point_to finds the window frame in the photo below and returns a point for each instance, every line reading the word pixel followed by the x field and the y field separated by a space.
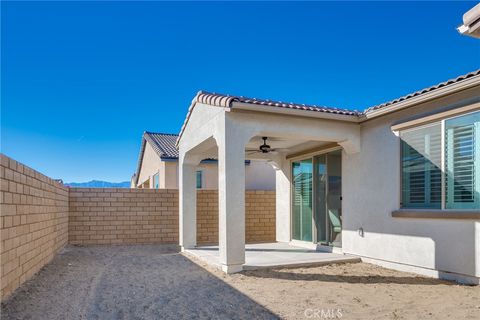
pixel 157 175
pixel 443 204
pixel 201 179
pixel 419 127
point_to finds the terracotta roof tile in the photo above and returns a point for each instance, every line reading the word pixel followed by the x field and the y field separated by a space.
pixel 223 100
pixel 423 91
pixel 226 101
pixel 163 143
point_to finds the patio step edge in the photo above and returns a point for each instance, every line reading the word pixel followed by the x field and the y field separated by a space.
pixel 298 264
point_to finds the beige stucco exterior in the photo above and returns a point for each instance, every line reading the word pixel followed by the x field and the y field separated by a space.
pixel 446 247
pixel 151 165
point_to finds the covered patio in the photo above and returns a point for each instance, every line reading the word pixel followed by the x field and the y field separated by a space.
pixel 235 129
pixel 273 255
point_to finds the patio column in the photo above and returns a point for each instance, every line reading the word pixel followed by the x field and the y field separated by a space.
pixel 282 201
pixel 231 192
pixel 187 203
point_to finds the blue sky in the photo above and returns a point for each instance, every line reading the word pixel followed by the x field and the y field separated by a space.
pixel 80 82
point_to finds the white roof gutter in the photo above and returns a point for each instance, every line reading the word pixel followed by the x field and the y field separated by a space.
pixel 293 112
pixel 471 23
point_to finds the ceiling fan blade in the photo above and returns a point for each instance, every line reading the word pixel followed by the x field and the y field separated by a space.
pixel 251 151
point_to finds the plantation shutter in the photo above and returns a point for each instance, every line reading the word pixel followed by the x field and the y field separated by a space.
pixel 462 153
pixel 421 163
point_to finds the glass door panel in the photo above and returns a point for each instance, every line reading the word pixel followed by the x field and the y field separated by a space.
pixel 302 174
pixel 334 198
pixel 320 182
pixel 317 199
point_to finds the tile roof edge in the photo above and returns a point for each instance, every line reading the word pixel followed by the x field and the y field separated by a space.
pixel 225 100
pixel 449 82
pixel 140 159
pixel 160 133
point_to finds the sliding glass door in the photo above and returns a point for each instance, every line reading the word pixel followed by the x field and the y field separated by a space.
pixel 320 216
pixel 334 198
pixel 316 199
pixel 302 172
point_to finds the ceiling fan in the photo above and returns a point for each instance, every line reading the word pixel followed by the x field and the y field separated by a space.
pixel 263 148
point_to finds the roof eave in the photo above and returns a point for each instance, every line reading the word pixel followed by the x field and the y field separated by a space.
pixel 187 118
pixel 295 112
pixel 140 159
pixel 435 94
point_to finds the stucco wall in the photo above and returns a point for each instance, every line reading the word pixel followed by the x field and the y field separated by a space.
pixel 34 222
pixel 371 191
pixel 209 175
pixel 259 175
pixel 169 175
pixel 150 165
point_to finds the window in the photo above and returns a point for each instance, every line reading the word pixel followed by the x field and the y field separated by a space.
pixel 462 162
pixel 156 181
pixel 199 179
pixel 421 163
pixel 441 164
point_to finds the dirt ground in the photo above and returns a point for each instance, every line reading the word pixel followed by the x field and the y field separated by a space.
pixel 155 282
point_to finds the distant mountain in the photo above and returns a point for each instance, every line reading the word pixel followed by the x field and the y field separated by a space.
pixel 99 184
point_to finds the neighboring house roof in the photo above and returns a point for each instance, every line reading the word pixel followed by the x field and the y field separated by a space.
pixel 162 143
pixel 227 101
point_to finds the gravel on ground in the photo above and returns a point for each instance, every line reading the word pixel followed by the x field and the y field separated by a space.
pixel 157 282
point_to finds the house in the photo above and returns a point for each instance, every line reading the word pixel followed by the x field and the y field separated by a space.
pixel 471 22
pixel 397 184
pixel 158 167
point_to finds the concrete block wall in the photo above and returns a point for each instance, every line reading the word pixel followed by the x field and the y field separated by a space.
pixel 207 217
pixel 128 216
pixel 39 215
pixel 34 222
pixel 259 216
pixel 123 216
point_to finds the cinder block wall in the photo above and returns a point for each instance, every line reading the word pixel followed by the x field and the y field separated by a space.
pixel 207 217
pixel 123 216
pixel 259 216
pixel 34 222
pixel 39 215
pixel 128 216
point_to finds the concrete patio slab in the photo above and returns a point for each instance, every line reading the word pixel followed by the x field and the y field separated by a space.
pixel 273 255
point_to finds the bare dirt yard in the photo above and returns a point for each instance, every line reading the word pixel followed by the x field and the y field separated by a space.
pixel 155 282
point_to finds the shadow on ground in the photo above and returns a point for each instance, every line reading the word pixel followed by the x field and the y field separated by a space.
pixel 126 282
pixel 286 274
